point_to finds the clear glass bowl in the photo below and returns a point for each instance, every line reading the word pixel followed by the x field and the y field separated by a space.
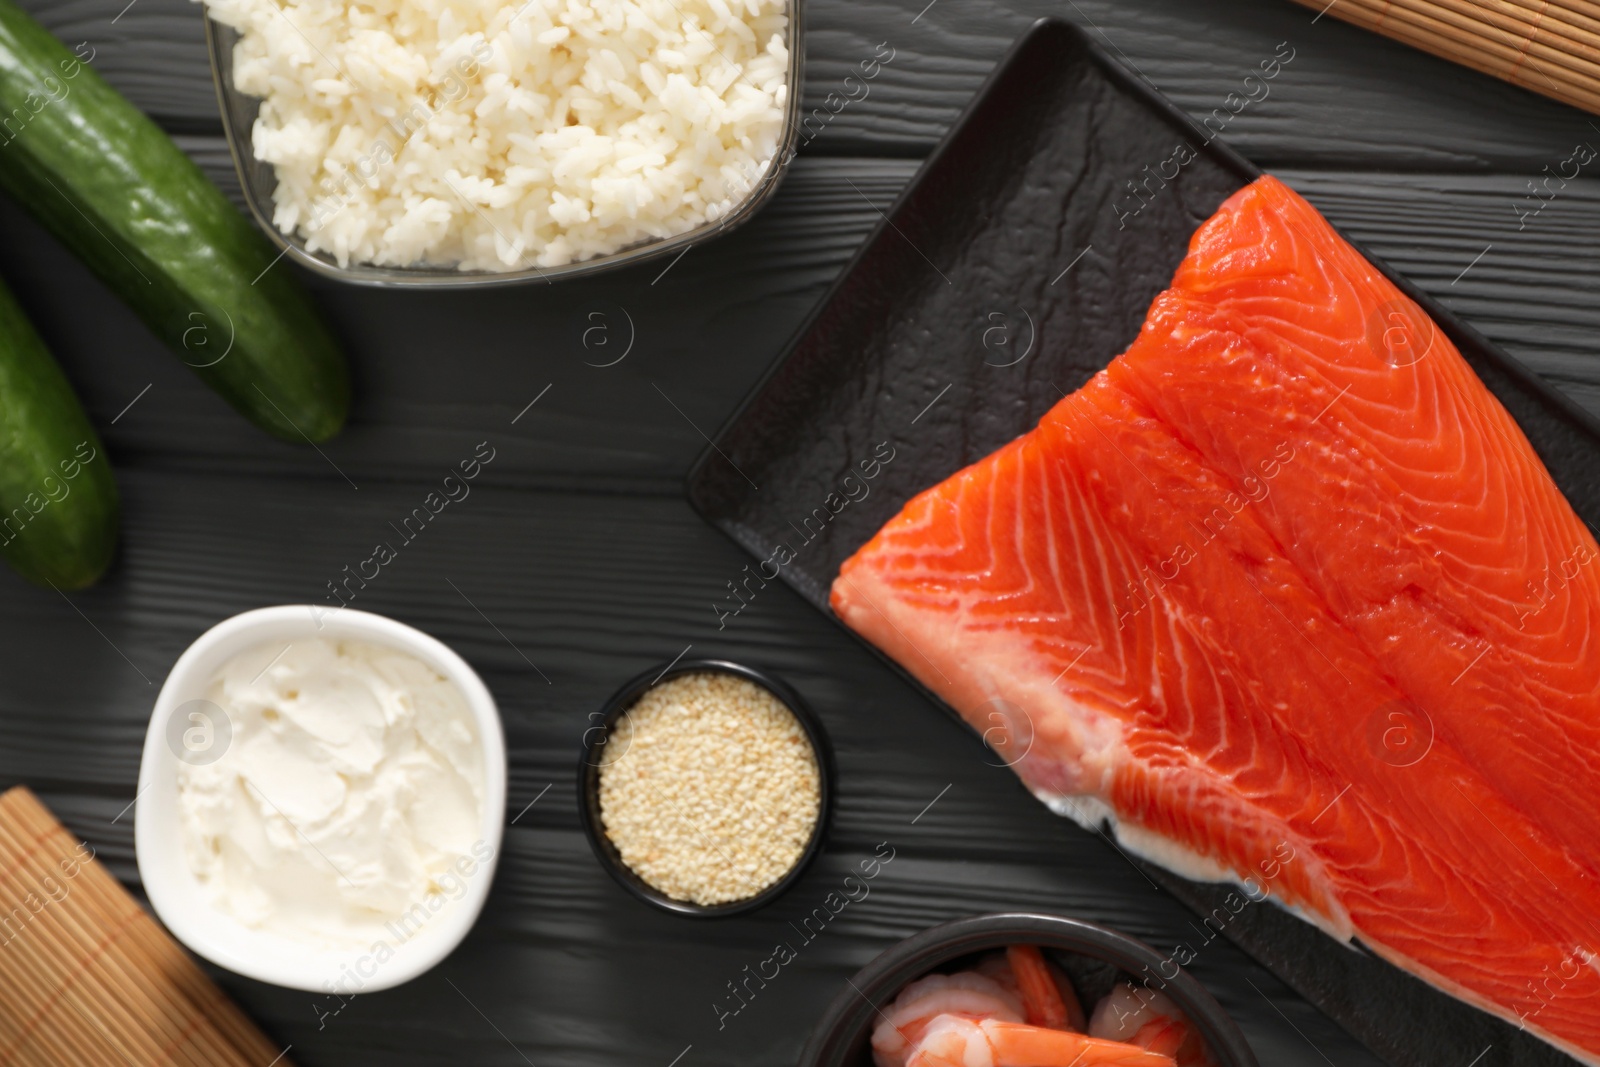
pixel 258 181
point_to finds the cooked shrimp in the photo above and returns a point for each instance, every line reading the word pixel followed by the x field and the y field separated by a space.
pixel 954 1041
pixel 967 995
pixel 995 965
pixel 1150 1020
pixel 1048 998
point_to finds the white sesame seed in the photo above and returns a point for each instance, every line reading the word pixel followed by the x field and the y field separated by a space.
pixel 717 792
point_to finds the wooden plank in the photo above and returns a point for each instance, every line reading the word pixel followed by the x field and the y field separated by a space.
pixel 444 369
pixel 576 543
pixel 420 391
pixel 154 51
pixel 592 588
pixel 1333 103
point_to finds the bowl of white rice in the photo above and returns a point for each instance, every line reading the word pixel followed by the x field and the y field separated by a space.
pixel 442 143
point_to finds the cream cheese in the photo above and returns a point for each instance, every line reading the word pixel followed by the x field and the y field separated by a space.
pixel 351 787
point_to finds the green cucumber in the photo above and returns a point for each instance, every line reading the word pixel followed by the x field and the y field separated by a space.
pixel 58 501
pixel 113 188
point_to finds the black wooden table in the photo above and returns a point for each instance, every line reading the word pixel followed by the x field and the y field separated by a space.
pixel 576 562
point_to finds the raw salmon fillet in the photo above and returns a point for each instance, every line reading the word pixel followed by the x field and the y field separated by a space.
pixel 1286 596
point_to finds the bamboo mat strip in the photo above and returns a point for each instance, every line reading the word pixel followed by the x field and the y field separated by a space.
pixel 1549 46
pixel 1521 61
pixel 1564 44
pixel 90 977
pixel 1577 20
pixel 1472 24
pixel 1575 25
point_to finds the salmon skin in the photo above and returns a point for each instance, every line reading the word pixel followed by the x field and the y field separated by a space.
pixel 1285 597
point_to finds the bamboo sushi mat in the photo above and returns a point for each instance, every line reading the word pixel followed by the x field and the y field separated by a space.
pixel 1549 46
pixel 87 977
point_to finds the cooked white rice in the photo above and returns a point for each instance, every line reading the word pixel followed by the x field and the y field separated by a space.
pixel 501 134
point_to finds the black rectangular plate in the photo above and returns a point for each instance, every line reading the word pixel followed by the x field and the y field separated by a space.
pixel 1018 263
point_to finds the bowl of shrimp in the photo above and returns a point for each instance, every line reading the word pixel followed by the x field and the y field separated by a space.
pixel 1021 990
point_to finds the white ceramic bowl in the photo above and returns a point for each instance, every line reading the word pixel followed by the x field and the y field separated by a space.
pixel 177 895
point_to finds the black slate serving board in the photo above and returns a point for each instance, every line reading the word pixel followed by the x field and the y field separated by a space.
pixel 1018 262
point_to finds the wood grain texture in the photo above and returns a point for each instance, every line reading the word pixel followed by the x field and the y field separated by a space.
pixel 1547 50
pixel 1531 293
pixel 1335 104
pixel 577 544
pixel 592 588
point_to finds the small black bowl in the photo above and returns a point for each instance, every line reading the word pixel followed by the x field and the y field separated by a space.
pixel 1087 952
pixel 596 755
